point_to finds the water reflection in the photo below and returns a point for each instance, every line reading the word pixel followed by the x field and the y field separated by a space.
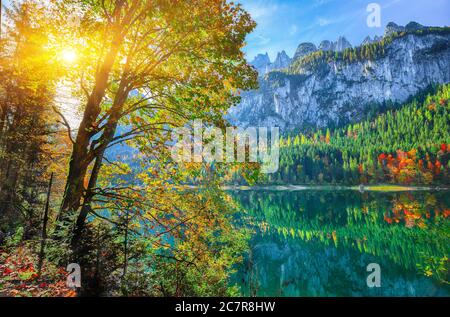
pixel 319 243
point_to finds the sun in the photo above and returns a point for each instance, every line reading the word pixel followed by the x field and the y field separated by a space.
pixel 69 55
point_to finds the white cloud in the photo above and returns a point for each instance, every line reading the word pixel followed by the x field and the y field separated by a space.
pixel 262 40
pixel 293 29
pixel 323 21
pixel 261 10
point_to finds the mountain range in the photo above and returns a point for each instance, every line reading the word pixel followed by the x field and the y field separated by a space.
pixel 334 84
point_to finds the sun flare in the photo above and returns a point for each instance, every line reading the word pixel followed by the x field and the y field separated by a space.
pixel 69 55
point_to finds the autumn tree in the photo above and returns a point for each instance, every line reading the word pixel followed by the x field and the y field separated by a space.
pixel 148 66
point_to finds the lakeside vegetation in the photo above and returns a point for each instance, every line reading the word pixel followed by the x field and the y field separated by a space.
pixel 408 146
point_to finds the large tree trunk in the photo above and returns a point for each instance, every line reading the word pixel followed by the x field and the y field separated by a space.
pixel 75 179
pixel 81 156
pixel 105 140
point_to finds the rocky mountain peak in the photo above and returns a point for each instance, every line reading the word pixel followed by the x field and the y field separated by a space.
pixel 282 61
pixel 326 46
pixel 367 40
pixel 413 26
pixel 261 60
pixel 342 44
pixel 391 27
pixel 261 63
pixel 305 49
pixel 321 98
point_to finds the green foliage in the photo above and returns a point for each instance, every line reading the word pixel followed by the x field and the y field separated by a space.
pixel 15 239
pixel 436 267
pixel 408 145
pixel 410 229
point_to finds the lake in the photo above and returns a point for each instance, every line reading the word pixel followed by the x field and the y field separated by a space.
pixel 320 242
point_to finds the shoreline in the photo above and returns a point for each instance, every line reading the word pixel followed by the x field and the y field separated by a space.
pixel 371 188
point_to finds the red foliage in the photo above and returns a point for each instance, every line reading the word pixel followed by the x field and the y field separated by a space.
pixel 404 167
pixel 438 167
pixel 19 276
pixel 6 271
pixel 360 169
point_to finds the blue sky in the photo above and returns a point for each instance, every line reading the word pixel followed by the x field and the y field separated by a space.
pixel 283 24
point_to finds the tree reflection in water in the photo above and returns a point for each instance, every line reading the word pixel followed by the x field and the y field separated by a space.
pixel 318 243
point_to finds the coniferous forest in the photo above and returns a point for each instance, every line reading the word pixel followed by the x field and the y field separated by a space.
pixel 408 145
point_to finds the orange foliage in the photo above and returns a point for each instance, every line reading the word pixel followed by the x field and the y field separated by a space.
pixel 409 211
pixel 405 167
